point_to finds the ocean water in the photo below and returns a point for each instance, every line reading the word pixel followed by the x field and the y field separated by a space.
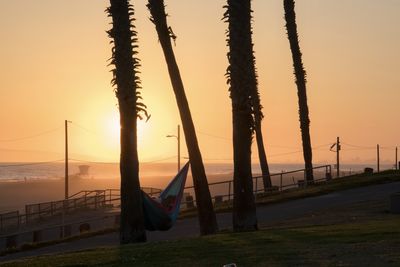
pixel 155 175
pixel 22 171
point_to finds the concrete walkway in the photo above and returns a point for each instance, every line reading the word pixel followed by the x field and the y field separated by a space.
pixel 271 214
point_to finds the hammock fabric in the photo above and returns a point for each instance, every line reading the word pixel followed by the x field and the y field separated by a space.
pixel 161 213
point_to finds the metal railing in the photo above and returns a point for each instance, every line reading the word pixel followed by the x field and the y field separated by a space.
pixel 82 200
pixel 58 231
pixel 9 220
pixel 221 191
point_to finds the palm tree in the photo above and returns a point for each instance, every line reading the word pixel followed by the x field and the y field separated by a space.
pixel 241 74
pixel 207 218
pixel 127 83
pixel 300 73
pixel 258 116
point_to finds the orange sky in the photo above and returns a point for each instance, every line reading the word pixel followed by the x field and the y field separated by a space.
pixel 53 67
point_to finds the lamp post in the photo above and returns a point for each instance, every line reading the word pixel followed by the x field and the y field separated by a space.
pixel 178 138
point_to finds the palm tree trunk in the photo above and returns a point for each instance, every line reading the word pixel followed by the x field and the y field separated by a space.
pixel 244 208
pixel 132 227
pixel 207 218
pixel 241 77
pixel 300 74
pixel 127 83
pixel 262 156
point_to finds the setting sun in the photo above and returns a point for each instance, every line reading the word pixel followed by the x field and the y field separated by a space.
pixel 119 121
pixel 112 129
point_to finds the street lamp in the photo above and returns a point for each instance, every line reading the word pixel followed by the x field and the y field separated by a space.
pixel 178 138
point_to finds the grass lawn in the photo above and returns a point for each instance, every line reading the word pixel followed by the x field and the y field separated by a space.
pixel 359 235
pixel 338 184
pixel 344 183
pixel 371 243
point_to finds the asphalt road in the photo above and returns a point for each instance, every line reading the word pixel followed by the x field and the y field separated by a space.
pixel 270 214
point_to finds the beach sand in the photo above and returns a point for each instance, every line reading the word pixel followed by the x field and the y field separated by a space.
pixel 15 195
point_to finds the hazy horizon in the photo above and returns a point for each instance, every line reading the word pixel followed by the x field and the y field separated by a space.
pixel 54 67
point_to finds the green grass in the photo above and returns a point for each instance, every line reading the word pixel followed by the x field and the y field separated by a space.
pixel 334 185
pixel 373 243
pixel 347 182
pixel 262 199
pixel 30 246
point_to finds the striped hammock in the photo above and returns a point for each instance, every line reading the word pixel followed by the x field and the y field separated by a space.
pixel 161 213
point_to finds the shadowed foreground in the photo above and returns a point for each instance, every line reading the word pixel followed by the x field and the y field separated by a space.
pixel 372 243
pixel 347 228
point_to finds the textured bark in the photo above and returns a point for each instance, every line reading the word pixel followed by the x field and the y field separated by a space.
pixel 262 156
pixel 207 218
pixel 241 74
pixel 125 79
pixel 258 116
pixel 244 208
pixel 300 74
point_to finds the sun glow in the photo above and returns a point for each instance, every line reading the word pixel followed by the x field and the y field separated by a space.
pixel 113 129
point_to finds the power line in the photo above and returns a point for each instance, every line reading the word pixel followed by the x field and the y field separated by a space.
pixel 359 149
pixel 84 128
pixel 276 146
pixel 158 160
pixel 388 147
pixel 30 164
pixel 215 136
pixel 29 151
pixel 275 155
pixel 93 162
pixel 104 162
pixel 358 146
pixel 284 154
pixel 320 146
pixel 30 136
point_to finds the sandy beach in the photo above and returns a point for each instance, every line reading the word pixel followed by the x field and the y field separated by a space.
pixel 16 194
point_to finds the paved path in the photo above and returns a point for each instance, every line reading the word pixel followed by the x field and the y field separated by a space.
pixel 270 214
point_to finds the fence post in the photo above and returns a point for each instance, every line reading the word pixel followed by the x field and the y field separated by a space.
pixel 11 241
pixel 305 178
pixel 26 214
pixel 117 220
pixel 40 212
pixel 229 191
pixel 255 196
pixel 37 236
pixel 67 230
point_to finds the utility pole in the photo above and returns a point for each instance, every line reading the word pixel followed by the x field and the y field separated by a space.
pixel 377 157
pixel 337 157
pixel 66 159
pixel 396 164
